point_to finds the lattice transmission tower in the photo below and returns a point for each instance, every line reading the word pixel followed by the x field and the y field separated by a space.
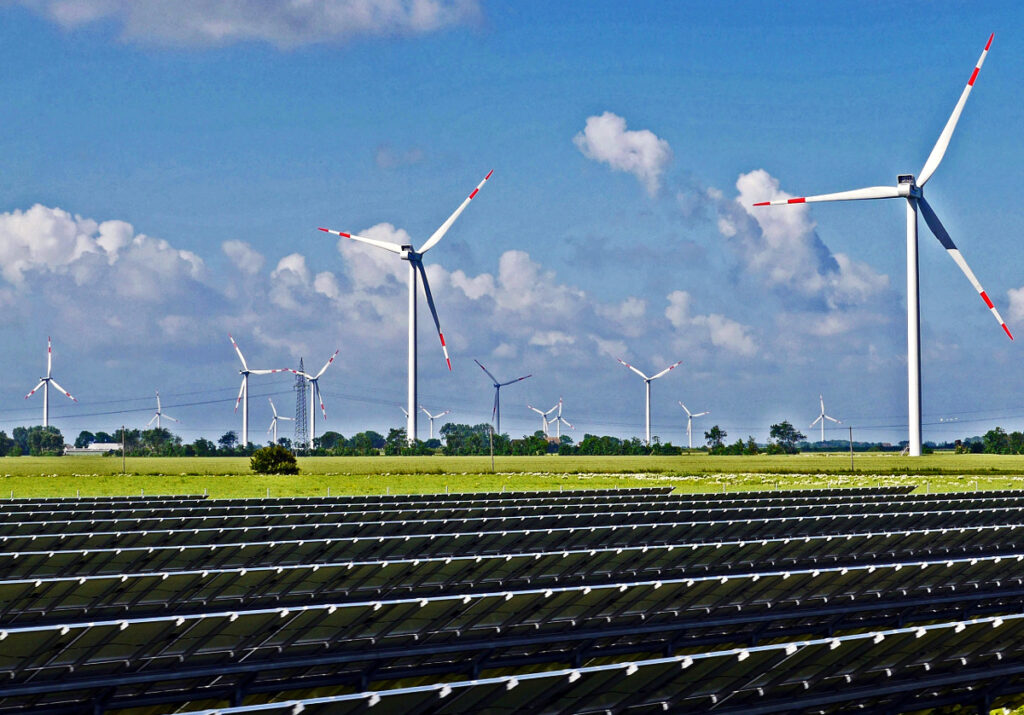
pixel 301 418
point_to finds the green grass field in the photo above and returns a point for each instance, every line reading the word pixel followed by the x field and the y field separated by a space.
pixel 230 476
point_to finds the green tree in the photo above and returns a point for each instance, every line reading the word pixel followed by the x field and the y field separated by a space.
pixel 715 437
pixel 45 440
pixel 84 439
pixel 228 441
pixel 6 444
pixel 996 441
pixel 786 436
pixel 204 448
pixel 274 459
pixel 396 441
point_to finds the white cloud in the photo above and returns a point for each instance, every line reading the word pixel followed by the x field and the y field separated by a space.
pixel 637 152
pixel 245 257
pixel 284 23
pixel 722 332
pixel 1016 298
pixel 388 158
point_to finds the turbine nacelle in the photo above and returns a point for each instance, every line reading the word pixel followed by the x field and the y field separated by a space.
pixel 906 186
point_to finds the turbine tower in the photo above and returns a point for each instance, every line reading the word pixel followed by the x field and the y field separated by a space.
pixel 912 191
pixel 543 416
pixel 159 413
pixel 496 412
pixel 689 422
pixel 315 396
pixel 44 382
pixel 822 417
pixel 647 385
pixel 432 418
pixel 273 422
pixel 415 258
pixel 559 421
pixel 243 391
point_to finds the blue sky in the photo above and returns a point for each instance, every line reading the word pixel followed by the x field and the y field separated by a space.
pixel 179 166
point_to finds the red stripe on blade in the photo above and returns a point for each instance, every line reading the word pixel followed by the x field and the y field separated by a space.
pixel 989 41
pixel 492 170
pixel 984 297
pixel 474 193
pixel 1007 331
pixel 442 338
pixel 797 201
pixel 763 203
pixel 974 76
pixel 449 364
pixel 325 230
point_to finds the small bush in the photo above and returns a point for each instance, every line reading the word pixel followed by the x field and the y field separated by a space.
pixel 273 460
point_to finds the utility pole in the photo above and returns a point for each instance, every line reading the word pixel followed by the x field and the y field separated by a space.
pixel 490 439
pixel 123 471
pixel 851 448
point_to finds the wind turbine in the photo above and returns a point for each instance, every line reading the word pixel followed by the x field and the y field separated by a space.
pixel 159 413
pixel 314 395
pixel 243 391
pixel 543 416
pixel 273 422
pixel 647 385
pixel 913 192
pixel 496 412
pixel 559 421
pixel 822 417
pixel 432 418
pixel 415 258
pixel 689 422
pixel 44 382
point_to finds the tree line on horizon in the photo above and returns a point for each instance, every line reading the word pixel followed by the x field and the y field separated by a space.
pixel 471 440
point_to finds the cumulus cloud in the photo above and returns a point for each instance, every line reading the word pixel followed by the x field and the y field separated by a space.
pixel 284 23
pixel 247 259
pixel 722 332
pixel 1016 298
pixel 388 158
pixel 637 152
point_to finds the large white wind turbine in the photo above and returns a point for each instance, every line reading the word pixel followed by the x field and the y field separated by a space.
pixel 273 422
pixel 44 382
pixel 496 412
pixel 432 418
pixel 243 391
pixel 822 417
pixel 913 192
pixel 314 395
pixel 543 416
pixel 689 422
pixel 159 414
pixel 559 421
pixel 415 258
pixel 647 386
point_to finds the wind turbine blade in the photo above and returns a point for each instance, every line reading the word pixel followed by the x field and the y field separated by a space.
pixel 66 393
pixel 443 229
pixel 493 378
pixel 289 419
pixel 386 245
pixel 298 372
pixel 433 311
pixel 320 399
pixel 821 400
pixel 539 412
pixel 49 356
pixel 673 366
pixel 240 391
pixel 832 419
pixel 152 420
pixel 939 150
pixel 424 409
pixel 633 369
pixel 404 411
pixel 237 350
pixel 940 233
pixel 34 389
pixel 168 417
pixel 701 414
pixel 871 192
pixel 272 408
pixel 567 422
pixel 271 427
pixel 328 363
pixel 442 414
pixel 158 400
pixel 269 372
pixel 685 409
pixel 518 379
pixel 494 410
pixel 816 421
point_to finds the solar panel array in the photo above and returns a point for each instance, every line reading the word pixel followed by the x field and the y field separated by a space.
pixel 574 601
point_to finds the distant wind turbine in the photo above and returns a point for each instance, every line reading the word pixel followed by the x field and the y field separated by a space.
pixel 273 422
pixel 159 414
pixel 822 417
pixel 432 418
pixel 647 385
pixel 243 391
pixel 559 421
pixel 913 192
pixel 415 258
pixel 44 382
pixel 496 412
pixel 543 416
pixel 315 396
pixel 689 422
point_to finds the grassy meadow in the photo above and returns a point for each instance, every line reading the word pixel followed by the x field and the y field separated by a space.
pixel 231 477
